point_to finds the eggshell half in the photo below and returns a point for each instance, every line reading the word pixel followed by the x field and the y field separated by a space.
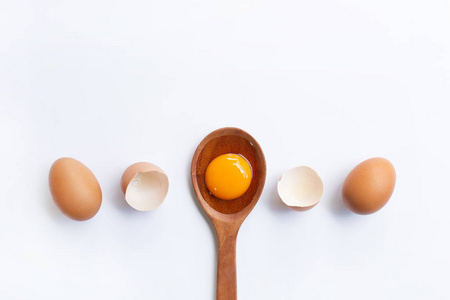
pixel 300 188
pixel 145 186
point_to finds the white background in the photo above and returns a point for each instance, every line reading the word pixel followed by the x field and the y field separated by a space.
pixel 321 83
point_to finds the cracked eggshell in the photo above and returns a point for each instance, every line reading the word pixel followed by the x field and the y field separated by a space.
pixel 300 188
pixel 145 186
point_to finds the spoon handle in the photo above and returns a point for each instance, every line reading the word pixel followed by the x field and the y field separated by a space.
pixel 226 265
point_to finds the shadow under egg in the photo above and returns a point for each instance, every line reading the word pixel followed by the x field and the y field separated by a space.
pixel 337 205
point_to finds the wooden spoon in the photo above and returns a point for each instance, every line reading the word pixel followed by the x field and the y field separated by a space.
pixel 227 216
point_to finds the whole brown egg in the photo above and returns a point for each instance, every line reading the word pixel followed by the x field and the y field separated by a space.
pixel 369 186
pixel 74 189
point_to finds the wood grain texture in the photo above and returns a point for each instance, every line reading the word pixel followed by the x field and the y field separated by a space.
pixel 227 216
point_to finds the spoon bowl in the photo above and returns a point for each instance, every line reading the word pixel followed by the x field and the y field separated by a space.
pixel 227 216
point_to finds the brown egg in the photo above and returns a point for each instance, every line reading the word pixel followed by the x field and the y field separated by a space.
pixel 74 189
pixel 369 186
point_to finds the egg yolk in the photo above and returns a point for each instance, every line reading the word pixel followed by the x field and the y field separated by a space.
pixel 228 176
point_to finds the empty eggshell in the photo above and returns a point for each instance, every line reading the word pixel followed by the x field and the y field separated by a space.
pixel 145 186
pixel 300 188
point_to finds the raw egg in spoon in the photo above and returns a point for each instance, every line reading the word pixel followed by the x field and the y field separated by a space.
pixel 228 176
pixel 216 152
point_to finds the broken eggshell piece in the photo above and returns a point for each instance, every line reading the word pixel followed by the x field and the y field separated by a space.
pixel 145 186
pixel 300 188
